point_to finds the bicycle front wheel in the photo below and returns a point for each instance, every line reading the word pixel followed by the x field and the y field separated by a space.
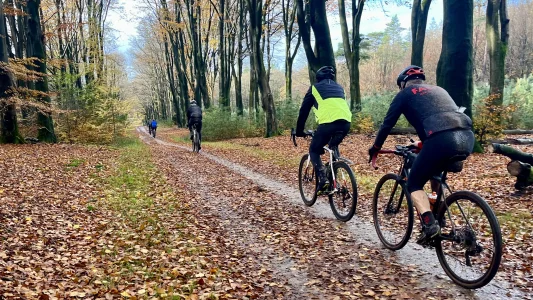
pixel 307 180
pixel 343 201
pixel 470 247
pixel 392 211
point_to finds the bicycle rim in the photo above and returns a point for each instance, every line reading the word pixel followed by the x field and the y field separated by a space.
pixel 307 181
pixel 344 201
pixel 473 258
pixel 392 211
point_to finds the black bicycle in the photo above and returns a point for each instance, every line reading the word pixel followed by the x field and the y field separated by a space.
pixel 195 139
pixel 342 192
pixel 469 247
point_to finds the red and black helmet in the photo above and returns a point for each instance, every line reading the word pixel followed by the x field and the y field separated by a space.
pixel 410 73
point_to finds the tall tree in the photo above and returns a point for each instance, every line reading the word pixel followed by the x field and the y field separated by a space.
pixel 454 71
pixel 419 19
pixel 8 113
pixel 255 8
pixel 312 15
pixel 289 15
pixel 36 42
pixel 352 50
pixel 497 40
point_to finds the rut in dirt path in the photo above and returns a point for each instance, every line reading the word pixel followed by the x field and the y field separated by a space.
pixel 356 238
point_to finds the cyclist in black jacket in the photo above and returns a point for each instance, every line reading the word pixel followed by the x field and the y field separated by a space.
pixel 327 99
pixel 443 128
pixel 194 116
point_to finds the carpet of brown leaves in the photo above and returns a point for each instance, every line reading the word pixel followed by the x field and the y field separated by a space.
pixel 485 174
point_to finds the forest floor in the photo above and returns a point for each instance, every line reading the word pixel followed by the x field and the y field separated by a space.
pixel 147 218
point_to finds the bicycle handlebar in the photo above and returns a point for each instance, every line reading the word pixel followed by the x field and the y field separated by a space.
pixel 400 150
pixel 293 135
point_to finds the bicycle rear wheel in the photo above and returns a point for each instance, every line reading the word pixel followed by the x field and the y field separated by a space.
pixel 392 211
pixel 196 141
pixel 344 201
pixel 470 247
pixel 307 180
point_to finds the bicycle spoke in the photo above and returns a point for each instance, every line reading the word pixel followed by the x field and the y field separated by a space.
pixel 475 248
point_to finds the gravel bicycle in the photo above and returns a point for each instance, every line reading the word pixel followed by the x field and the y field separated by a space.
pixel 195 139
pixel 342 191
pixel 469 247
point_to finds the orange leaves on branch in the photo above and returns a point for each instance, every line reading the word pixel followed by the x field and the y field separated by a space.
pixel 490 118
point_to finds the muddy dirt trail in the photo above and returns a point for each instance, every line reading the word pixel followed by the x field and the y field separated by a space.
pixel 282 249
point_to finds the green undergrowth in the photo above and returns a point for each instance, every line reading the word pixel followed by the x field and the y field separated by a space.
pixel 153 242
pixel 129 187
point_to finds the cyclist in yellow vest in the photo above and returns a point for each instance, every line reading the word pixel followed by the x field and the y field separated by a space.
pixel 328 101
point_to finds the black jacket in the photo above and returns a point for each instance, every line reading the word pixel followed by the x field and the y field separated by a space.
pixel 429 108
pixel 194 112
pixel 327 88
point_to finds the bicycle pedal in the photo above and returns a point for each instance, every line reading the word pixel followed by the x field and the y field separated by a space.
pixel 332 192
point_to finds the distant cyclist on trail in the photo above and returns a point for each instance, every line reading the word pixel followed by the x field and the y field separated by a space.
pixel 153 125
pixel 443 128
pixel 328 101
pixel 194 116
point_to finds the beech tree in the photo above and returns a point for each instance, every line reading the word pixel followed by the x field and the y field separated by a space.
pixel 454 71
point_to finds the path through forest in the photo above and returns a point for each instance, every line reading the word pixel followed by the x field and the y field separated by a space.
pixel 303 249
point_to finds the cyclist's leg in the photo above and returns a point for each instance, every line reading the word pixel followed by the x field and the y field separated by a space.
pixel 336 139
pixel 199 129
pixel 320 139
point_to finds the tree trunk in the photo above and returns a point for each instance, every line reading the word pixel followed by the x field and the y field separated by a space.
pixel 512 153
pixel 238 76
pixel 455 67
pixel 267 101
pixel 351 46
pixel 312 15
pixel 289 14
pixel 36 36
pixel 8 124
pixel 223 92
pixel 497 32
pixel 419 18
pixel 520 166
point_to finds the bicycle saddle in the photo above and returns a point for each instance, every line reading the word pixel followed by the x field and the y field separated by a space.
pixel 455 163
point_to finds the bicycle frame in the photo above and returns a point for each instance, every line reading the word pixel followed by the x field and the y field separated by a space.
pixel 404 171
pixel 332 159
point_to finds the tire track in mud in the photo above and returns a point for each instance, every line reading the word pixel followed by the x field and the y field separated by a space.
pixel 360 234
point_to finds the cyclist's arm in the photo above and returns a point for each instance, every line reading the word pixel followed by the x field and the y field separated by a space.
pixel 394 113
pixel 307 104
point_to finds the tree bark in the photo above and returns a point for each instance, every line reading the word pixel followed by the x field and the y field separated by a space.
pixel 520 166
pixel 35 35
pixel 267 101
pixel 351 46
pixel 419 18
pixel 289 16
pixel 512 153
pixel 8 124
pixel 455 67
pixel 312 15
pixel 238 76
pixel 497 32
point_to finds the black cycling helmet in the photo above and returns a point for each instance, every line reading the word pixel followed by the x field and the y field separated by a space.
pixel 410 73
pixel 326 72
pixel 193 101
